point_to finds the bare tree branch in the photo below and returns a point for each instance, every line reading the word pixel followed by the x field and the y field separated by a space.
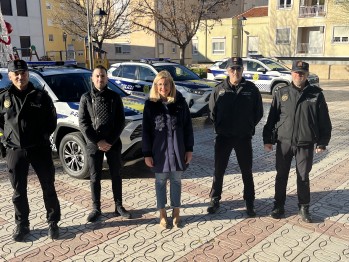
pixel 72 18
pixel 175 21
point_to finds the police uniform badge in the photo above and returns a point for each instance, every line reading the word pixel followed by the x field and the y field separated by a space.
pixel 7 103
pixel 221 92
pixel 284 97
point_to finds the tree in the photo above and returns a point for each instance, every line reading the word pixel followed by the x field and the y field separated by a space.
pixel 176 21
pixel 72 17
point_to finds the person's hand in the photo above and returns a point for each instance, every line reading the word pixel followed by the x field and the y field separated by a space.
pixel 268 147
pixel 319 150
pixel 103 145
pixel 188 157
pixel 149 161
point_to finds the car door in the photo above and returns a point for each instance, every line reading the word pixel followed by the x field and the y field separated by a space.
pixel 125 77
pixel 256 72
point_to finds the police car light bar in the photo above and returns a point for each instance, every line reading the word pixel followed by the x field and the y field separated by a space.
pixel 152 60
pixel 51 63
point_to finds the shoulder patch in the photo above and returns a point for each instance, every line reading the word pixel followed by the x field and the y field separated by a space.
pixel 279 87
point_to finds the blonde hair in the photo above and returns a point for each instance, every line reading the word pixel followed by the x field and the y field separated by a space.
pixel 154 94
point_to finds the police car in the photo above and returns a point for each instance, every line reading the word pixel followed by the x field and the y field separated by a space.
pixel 66 84
pixel 137 78
pixel 266 73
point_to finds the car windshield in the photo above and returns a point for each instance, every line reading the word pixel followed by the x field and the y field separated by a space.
pixel 70 87
pixel 178 72
pixel 274 66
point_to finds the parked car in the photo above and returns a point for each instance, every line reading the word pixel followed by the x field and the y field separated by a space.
pixel 65 85
pixel 266 73
pixel 137 78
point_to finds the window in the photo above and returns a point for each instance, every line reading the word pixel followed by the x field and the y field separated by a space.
pixel 25 43
pixel 50 38
pixel 340 34
pixel 129 71
pixel 174 48
pixel 146 74
pixel 122 48
pixel 22 7
pixel 195 43
pixel 6 7
pixel 218 46
pixel 284 4
pixel 161 48
pixel 283 36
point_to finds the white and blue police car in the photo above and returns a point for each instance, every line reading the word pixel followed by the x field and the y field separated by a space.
pixel 266 73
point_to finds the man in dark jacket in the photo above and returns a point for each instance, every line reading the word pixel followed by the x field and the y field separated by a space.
pixel 101 120
pixel 236 108
pixel 27 119
pixel 298 119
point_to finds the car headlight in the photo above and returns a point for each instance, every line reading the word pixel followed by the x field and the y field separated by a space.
pixel 189 90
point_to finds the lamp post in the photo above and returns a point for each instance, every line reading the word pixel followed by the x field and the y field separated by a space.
pixel 99 13
pixel 242 21
pixel 65 44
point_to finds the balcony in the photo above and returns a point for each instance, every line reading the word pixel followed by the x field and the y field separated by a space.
pixel 312 11
pixel 310 40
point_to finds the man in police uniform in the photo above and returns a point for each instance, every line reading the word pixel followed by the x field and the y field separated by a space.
pixel 299 116
pixel 236 108
pixel 27 119
pixel 101 120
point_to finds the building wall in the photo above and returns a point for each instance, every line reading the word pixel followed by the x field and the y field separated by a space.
pixel 27 26
pixel 56 49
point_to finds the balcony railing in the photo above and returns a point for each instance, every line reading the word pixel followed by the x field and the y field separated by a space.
pixel 305 48
pixel 312 11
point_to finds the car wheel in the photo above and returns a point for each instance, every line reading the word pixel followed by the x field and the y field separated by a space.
pixel 277 86
pixel 73 155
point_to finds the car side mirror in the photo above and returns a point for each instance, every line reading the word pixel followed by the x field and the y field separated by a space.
pixel 261 69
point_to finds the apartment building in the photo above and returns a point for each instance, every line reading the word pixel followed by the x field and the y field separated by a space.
pixel 59 44
pixel 25 18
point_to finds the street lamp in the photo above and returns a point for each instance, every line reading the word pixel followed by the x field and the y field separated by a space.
pixel 65 43
pixel 242 20
pixel 99 13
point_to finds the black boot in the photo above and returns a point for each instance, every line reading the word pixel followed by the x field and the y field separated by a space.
pixel 213 207
pixel 250 208
pixel 304 213
pixel 94 215
pixel 53 230
pixel 277 212
pixel 121 211
pixel 20 233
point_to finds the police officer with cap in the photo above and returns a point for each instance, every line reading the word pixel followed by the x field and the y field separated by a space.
pixel 27 119
pixel 236 108
pixel 298 123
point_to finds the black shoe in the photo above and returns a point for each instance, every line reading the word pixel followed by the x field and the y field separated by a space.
pixel 20 233
pixel 214 205
pixel 94 215
pixel 250 209
pixel 121 211
pixel 277 212
pixel 53 230
pixel 304 213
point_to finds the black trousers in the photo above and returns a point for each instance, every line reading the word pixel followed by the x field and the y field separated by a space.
pixel 96 157
pixel 40 158
pixel 243 151
pixel 304 162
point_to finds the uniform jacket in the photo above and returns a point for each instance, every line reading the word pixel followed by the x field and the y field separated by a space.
pixel 235 113
pixel 29 124
pixel 301 118
pixel 101 116
pixel 155 137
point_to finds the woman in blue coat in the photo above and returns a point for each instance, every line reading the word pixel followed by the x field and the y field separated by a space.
pixel 168 141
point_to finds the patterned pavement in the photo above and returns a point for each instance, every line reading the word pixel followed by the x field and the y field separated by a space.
pixel 226 236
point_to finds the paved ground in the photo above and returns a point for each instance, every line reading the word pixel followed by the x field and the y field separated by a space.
pixel 226 236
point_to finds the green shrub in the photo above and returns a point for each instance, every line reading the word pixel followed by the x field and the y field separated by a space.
pixel 201 72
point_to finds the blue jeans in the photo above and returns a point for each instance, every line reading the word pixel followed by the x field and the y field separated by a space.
pixel 175 188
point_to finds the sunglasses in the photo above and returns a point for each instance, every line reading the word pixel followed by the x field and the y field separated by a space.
pixel 237 69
